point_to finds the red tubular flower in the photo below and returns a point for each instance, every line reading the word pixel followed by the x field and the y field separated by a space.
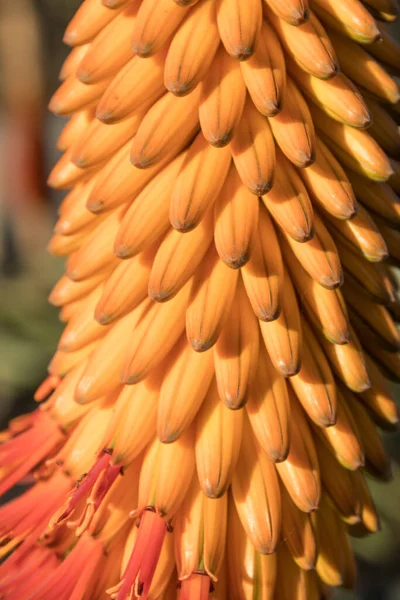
pixel 73 575
pixel 22 453
pixel 31 511
pixel 139 572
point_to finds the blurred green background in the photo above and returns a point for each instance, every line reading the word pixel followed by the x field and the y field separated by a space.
pixel 31 54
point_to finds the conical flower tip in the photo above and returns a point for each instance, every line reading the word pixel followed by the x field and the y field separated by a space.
pixel 93 486
pixel 294 12
pixel 47 387
pixel 138 575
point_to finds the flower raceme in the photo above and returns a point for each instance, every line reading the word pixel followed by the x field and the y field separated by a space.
pixel 211 412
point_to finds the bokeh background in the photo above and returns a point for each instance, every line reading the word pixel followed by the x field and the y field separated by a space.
pixel 31 54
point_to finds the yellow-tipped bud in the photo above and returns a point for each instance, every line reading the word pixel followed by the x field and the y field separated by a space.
pixel 375 316
pixel 239 25
pixel 263 274
pixel 102 141
pixel 328 185
pixel 391 237
pixel 387 9
pixel 283 336
pixel 218 438
pixel 75 129
pixel 325 308
pixel 77 455
pixel 377 462
pixel 192 50
pixel 147 217
pixel 386 48
pixel 165 476
pixel 314 384
pixel 288 201
pixel 307 44
pixel 268 409
pixel 134 421
pixel 192 195
pixel 293 128
pixel 379 197
pixel 343 438
pixel 369 516
pixel 384 128
pixel 338 97
pixel 75 217
pixel 184 388
pixel 300 471
pixel 138 85
pixel 318 256
pixel 117 182
pixel 97 252
pixel 363 234
pixel 177 259
pixel 82 328
pixel 125 288
pixel 364 70
pixel 265 73
pixel 74 95
pixel 102 374
pixel 332 559
pixel 210 301
pixel 236 220
pixel 158 138
pixel 111 49
pixel 222 99
pixel 236 352
pixel 294 12
pixel 88 21
pixel 255 490
pixel 253 150
pixel 298 533
pixel 150 32
pixel 160 327
pixel 349 17
pixel 348 362
pixel 200 532
pixel 339 484
pixel 355 148
pixel 379 398
pixel 65 174
pixel 294 582
pixel 71 65
pixel 360 272
pixel 63 362
pixel 249 572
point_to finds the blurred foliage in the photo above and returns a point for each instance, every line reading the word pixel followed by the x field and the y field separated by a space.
pixel 29 326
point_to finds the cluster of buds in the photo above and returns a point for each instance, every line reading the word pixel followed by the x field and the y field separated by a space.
pixel 229 301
